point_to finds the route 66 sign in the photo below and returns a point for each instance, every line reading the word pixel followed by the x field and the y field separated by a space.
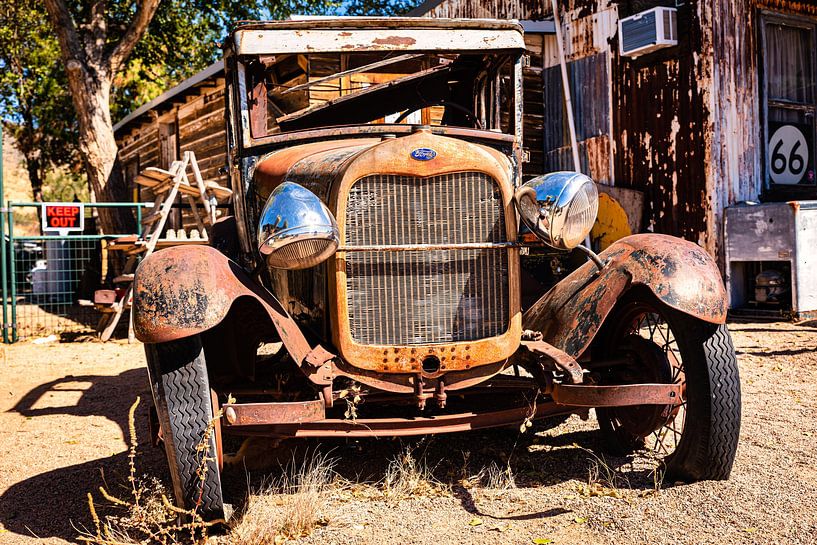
pixel 790 154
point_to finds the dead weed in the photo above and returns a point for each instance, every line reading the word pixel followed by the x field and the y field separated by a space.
pixel 289 506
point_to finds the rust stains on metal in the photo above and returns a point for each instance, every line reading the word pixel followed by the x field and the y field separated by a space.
pixel 617 396
pixel 185 290
pixel 681 274
pixel 804 8
pixel 311 165
pixel 562 361
pixel 395 40
pixel 661 122
pixel 402 427
pixel 258 414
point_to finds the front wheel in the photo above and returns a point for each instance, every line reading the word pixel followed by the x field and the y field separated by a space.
pixel 184 405
pixel 697 439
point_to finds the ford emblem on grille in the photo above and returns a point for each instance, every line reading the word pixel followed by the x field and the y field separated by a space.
pixel 423 154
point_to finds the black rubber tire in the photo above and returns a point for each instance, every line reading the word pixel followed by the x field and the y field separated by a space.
pixel 709 440
pixel 181 394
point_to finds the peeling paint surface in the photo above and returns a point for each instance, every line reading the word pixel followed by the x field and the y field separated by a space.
pixel 679 273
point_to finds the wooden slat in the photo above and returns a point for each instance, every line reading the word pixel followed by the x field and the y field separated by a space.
pixel 365 67
pixel 168 242
pixel 152 177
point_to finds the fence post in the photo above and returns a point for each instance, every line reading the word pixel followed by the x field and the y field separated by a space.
pixel 12 273
pixel 3 275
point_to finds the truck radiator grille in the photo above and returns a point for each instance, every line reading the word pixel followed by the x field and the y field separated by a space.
pixel 426 296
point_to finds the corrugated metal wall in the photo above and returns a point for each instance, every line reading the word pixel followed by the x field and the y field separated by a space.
pixel 497 9
pixel 681 125
pixel 661 116
pixel 589 82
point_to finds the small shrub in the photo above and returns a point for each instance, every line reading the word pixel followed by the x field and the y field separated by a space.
pixel 147 516
pixel 498 478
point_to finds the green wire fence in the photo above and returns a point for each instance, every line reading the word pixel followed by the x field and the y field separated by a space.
pixel 48 281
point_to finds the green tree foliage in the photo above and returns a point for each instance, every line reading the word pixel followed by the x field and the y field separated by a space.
pixel 390 8
pixel 35 108
pixel 182 38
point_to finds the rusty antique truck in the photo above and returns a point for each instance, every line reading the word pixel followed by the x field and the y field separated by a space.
pixel 371 280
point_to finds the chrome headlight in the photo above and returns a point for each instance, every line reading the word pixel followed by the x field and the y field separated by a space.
pixel 560 207
pixel 296 230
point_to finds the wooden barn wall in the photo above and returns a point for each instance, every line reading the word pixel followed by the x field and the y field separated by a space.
pixel 141 144
pixel 533 107
pixel 202 130
pixel 199 128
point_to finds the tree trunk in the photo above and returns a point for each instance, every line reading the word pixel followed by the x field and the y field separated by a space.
pixel 96 139
pixel 91 63
pixel 35 176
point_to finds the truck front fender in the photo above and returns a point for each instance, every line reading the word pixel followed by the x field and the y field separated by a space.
pixel 185 290
pixel 679 273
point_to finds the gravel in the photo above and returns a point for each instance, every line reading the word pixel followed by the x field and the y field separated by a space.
pixel 63 411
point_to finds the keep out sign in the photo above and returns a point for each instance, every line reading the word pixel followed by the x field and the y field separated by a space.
pixel 63 216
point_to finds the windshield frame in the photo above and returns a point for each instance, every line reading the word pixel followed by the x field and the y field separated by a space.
pixel 476 36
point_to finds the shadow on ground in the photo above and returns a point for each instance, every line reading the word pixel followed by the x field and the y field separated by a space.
pixel 54 504
pixel 537 458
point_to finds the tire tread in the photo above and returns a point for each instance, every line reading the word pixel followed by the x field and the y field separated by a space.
pixel 182 396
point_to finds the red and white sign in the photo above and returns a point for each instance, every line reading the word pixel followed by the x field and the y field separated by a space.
pixel 63 216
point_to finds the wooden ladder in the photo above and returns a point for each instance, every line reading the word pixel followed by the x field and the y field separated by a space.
pixel 166 185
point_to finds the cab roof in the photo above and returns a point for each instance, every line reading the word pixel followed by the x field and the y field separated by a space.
pixel 356 34
pixel 345 23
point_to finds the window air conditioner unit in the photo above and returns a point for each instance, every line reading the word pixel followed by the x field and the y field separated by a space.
pixel 647 31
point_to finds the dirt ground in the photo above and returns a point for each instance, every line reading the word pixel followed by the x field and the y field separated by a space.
pixel 63 428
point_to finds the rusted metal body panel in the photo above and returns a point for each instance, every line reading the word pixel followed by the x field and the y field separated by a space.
pixel 308 418
pixel 300 164
pixel 404 427
pixel 185 290
pixel 286 412
pixel 329 169
pixel 617 396
pixel 678 273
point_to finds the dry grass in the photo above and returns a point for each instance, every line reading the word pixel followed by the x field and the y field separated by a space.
pixel 408 475
pixel 603 480
pixel 288 507
pixel 498 478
